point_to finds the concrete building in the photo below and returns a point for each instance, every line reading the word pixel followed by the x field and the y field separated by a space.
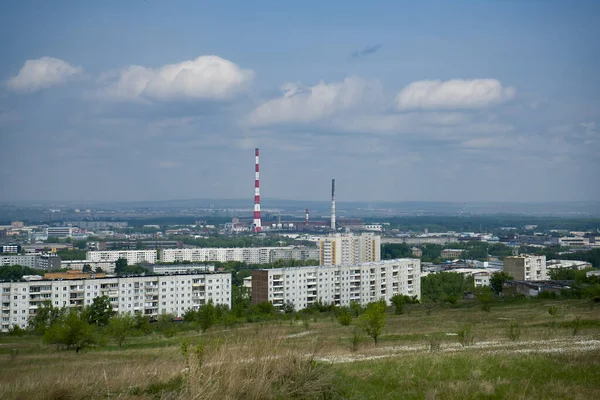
pixel 481 277
pixel 24 260
pixel 10 248
pixel 571 264
pixel 77 265
pixel 339 285
pixel 452 253
pixel 341 249
pixel 417 252
pixel 147 295
pixel 132 256
pixel 162 269
pixel 249 255
pixel 59 231
pixel 48 261
pixel 526 268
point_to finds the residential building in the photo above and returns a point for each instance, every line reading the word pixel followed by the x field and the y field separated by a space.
pixel 481 277
pixel 77 265
pixel 10 248
pixel 249 255
pixel 417 252
pixel 179 268
pixel 24 260
pixel 526 267
pixel 132 256
pixel 147 295
pixel 48 261
pixel 452 253
pixel 337 284
pixel 348 248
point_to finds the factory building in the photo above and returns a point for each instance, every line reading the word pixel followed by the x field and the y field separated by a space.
pixel 348 248
pixel 147 295
pixel 339 285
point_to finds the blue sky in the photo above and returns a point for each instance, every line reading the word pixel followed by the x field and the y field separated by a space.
pixel 429 100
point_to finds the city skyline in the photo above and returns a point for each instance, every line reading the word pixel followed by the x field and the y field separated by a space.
pixel 398 101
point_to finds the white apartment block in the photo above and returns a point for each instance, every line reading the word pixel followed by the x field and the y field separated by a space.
pixel 106 266
pixel 25 260
pixel 452 253
pixel 526 268
pixel 59 231
pixel 132 256
pixel 481 277
pixel 249 255
pixel 341 249
pixel 337 284
pixel 147 295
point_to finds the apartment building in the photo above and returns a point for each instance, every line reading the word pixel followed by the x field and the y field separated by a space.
pixel 337 284
pixel 106 266
pixel 132 256
pixel 348 248
pixel 148 295
pixel 59 231
pixel 452 253
pixel 526 268
pixel 38 261
pixel 249 255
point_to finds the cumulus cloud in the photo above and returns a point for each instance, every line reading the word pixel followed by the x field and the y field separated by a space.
pixel 206 77
pixel 453 94
pixel 43 73
pixel 299 104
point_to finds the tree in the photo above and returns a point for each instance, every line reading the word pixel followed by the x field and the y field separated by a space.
pixel 45 317
pixel 373 319
pixel 119 327
pixel 289 307
pixel 398 302
pixel 484 296
pixel 120 266
pixel 86 268
pixel 206 316
pixel 99 270
pixel 99 312
pixel 71 331
pixel 497 281
pixel 344 317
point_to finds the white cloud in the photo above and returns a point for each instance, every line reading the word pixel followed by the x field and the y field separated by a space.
pixel 206 77
pixel 43 73
pixel 453 94
pixel 298 104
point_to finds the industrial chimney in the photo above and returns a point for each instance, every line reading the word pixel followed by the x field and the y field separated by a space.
pixel 333 204
pixel 256 224
pixel 306 220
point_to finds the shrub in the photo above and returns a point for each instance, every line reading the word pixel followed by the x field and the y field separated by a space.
pixel 553 310
pixel 355 340
pixel 465 336
pixel 344 317
pixel 514 331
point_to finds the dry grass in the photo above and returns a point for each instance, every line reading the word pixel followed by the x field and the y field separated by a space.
pixel 280 360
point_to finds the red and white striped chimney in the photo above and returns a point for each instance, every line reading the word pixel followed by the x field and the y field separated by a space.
pixel 256 225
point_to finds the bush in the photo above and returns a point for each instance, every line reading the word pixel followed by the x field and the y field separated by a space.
pixel 553 310
pixel 514 331
pixel 355 340
pixel 465 336
pixel 344 317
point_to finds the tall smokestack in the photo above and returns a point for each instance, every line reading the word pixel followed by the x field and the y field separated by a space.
pixel 333 204
pixel 256 223
pixel 306 220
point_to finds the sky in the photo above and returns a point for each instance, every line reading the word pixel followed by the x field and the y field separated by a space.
pixel 397 100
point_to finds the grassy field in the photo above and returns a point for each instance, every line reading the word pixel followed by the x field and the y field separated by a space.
pixel 517 350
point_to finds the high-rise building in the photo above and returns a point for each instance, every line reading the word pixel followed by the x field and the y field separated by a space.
pixel 132 256
pixel 526 267
pixel 249 255
pixel 337 284
pixel 347 248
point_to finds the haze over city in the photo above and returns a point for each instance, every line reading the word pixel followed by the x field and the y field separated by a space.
pixel 399 101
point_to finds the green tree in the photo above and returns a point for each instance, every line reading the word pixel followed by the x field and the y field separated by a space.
pixel 119 327
pixel 398 302
pixel 484 296
pixel 497 280
pixel 344 317
pixel 206 316
pixel 373 320
pixel 86 268
pixel 46 315
pixel 120 266
pixel 71 331
pixel 443 285
pixel 99 312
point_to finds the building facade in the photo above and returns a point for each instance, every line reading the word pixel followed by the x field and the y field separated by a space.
pixel 249 255
pixel 59 231
pixel 339 285
pixel 147 295
pixel 132 256
pixel 77 265
pixel 38 261
pixel 526 268
pixel 452 253
pixel 347 248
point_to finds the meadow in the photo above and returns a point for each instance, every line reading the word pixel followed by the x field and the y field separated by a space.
pixel 516 350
